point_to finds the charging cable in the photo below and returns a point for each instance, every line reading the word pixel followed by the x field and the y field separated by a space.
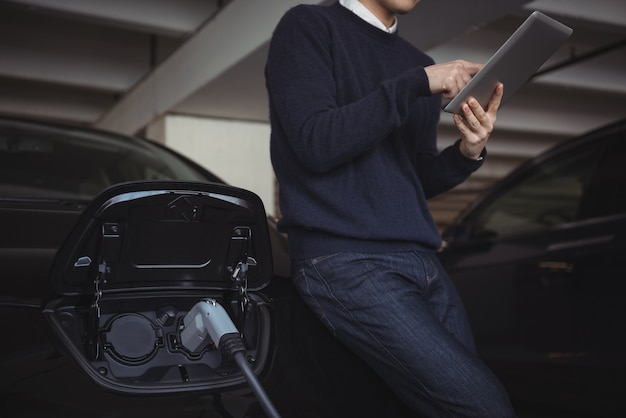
pixel 208 321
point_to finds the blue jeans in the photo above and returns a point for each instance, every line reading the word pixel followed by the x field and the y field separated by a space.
pixel 401 314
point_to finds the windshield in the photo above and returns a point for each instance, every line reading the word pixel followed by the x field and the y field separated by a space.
pixel 43 162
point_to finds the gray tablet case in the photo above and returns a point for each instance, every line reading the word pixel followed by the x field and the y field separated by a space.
pixel 516 61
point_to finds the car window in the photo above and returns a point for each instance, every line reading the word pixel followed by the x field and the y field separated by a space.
pixel 548 195
pixel 56 163
pixel 605 194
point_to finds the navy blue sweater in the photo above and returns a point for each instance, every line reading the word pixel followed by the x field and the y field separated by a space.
pixel 353 140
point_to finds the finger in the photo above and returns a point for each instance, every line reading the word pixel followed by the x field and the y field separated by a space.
pixel 496 99
pixel 460 124
pixel 472 67
pixel 469 114
pixel 466 77
pixel 484 118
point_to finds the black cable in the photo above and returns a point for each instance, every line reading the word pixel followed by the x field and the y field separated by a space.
pixel 233 344
pixel 207 320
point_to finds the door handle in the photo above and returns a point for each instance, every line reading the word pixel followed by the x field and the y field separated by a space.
pixel 556 266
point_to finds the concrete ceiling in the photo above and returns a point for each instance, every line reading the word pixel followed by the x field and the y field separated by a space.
pixel 121 64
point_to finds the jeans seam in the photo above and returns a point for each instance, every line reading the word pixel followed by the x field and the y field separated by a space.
pixel 319 309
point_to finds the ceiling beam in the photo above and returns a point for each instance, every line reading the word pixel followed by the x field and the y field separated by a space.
pixel 71 53
pixel 605 12
pixel 25 98
pixel 434 22
pixel 163 17
pixel 214 49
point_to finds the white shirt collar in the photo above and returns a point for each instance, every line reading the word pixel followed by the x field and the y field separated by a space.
pixel 364 13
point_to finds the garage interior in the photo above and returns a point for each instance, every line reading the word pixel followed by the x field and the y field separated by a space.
pixel 122 65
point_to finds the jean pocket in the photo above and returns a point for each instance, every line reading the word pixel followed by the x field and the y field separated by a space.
pixel 427 272
pixel 326 257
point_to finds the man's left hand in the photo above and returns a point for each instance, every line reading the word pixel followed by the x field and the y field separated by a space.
pixel 476 123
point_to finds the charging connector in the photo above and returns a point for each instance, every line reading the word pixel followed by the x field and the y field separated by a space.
pixel 208 321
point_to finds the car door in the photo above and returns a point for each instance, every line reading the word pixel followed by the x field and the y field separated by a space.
pixel 540 266
pixel 578 282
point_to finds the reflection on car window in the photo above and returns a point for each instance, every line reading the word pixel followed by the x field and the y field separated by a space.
pixel 549 195
pixel 72 164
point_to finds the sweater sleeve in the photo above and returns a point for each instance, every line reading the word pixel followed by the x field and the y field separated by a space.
pixel 452 166
pixel 300 77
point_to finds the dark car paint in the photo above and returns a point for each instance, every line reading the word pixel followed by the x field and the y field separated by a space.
pixel 37 377
pixel 547 307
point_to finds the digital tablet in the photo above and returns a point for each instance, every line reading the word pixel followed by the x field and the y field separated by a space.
pixel 515 62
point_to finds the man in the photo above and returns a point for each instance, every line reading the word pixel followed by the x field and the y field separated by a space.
pixel 354 110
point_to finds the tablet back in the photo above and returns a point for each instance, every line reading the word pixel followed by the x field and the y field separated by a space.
pixel 516 61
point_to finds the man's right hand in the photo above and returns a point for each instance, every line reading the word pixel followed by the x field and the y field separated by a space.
pixel 449 78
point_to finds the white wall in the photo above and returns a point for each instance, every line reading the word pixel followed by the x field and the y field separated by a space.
pixel 236 151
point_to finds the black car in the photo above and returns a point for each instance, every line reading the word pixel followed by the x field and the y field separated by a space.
pixel 540 262
pixel 108 243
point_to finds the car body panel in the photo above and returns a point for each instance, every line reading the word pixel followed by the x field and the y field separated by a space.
pixel 45 369
pixel 141 255
pixel 539 263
